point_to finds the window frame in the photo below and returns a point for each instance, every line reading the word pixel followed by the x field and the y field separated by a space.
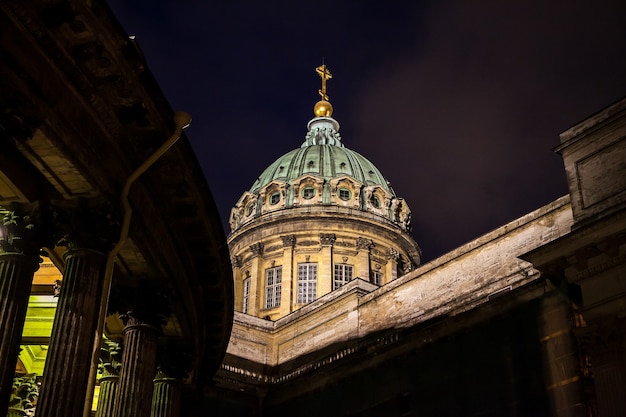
pixel 343 273
pixel 272 199
pixel 245 307
pixel 304 192
pixel 273 286
pixel 376 277
pixel 307 282
pixel 346 191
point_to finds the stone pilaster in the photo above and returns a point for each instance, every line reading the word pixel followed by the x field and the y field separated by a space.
pixel 287 294
pixel 134 391
pixel 66 373
pixel 109 368
pixel 22 233
pixel 391 269
pixel 166 396
pixel 363 247
pixel 256 279
pixel 325 278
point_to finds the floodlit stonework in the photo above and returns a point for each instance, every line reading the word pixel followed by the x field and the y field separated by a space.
pixel 317 218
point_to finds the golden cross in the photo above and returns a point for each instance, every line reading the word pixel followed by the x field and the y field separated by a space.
pixel 326 75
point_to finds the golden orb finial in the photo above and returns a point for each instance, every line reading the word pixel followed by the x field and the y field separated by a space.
pixel 323 107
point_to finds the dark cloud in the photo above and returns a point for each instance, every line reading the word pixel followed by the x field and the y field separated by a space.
pixel 458 103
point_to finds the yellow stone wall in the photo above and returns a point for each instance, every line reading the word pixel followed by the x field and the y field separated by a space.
pixel 367 244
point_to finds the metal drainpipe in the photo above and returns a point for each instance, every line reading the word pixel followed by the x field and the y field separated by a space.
pixel 182 120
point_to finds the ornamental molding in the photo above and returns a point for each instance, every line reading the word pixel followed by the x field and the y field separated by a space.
pixel 327 239
pixel 393 255
pixel 256 249
pixel 364 243
pixel 289 241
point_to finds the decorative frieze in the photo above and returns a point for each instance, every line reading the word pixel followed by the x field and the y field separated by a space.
pixel 272 248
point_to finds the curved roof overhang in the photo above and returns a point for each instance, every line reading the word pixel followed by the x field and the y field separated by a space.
pixel 79 112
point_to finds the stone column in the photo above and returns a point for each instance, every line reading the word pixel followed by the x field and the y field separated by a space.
pixel 16 276
pixel 561 357
pixel 166 396
pixel 287 292
pixel 21 236
pixel 325 278
pixel 363 247
pixel 109 367
pixel 66 373
pixel 134 391
pixel 88 233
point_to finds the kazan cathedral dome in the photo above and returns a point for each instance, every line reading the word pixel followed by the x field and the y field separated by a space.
pixel 319 216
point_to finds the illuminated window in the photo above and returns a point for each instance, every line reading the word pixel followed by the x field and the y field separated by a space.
pixel 274 198
pixel 273 286
pixel 344 194
pixel 307 282
pixel 376 277
pixel 246 295
pixel 343 275
pixel 308 193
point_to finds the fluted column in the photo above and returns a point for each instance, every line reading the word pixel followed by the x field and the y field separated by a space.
pixel 134 391
pixel 16 276
pixel 66 372
pixel 166 396
pixel 21 236
pixel 109 367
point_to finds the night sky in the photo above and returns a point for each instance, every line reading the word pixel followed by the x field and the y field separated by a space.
pixel 458 103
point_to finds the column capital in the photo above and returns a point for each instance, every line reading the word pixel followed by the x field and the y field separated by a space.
pixel 25 228
pixel 257 249
pixel 289 241
pixel 24 392
pixel 145 319
pixel 364 243
pixel 393 255
pixel 236 261
pixel 327 239
pixel 110 359
pixel 83 223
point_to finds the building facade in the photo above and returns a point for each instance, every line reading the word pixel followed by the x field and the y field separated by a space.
pixel 526 320
pixel 318 217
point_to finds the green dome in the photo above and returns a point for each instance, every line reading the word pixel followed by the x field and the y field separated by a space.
pixel 323 155
pixel 322 176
